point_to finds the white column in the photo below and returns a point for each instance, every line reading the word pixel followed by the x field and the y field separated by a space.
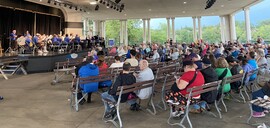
pixel 104 30
pixel 168 29
pixel 194 29
pixel 84 27
pixel 173 30
pixel 149 31
pixel 199 27
pixel 222 29
pixel 121 32
pixel 94 28
pixel 125 33
pixel 247 21
pixel 144 31
pixel 232 28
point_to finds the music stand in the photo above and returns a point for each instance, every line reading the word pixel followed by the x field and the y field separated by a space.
pixel 9 50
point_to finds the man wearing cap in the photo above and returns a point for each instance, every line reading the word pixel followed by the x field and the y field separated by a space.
pixel 208 71
pixel 235 69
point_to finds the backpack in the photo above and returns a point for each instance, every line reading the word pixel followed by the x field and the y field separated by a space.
pixel 209 97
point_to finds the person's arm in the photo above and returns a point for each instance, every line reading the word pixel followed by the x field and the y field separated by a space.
pixel 114 87
pixel 181 84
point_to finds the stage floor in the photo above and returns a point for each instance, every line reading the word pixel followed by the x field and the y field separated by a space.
pixel 44 62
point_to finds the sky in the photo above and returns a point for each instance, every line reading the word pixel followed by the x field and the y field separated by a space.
pixel 258 13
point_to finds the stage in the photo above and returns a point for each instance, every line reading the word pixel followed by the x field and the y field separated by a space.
pixel 41 62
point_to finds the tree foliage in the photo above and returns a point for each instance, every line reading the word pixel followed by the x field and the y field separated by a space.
pixel 159 35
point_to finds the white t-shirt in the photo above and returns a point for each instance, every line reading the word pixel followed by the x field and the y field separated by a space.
pixel 145 75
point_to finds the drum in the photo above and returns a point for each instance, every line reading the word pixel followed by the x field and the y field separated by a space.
pixel 21 41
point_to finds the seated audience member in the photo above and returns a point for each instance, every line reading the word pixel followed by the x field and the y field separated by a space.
pixel 212 58
pixel 235 69
pixel 113 51
pixel 251 60
pixel 223 71
pixel 191 78
pixel 117 63
pixel 156 56
pixel 246 67
pixel 145 74
pixel 77 39
pixel 208 71
pixel 209 75
pixel 133 61
pixel 175 54
pixel 264 92
pixel 124 79
pixel 87 69
pixel 102 66
pixel 261 60
pixel 197 60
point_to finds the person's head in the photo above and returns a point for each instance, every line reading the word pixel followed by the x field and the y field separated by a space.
pixel 189 65
pixel 261 52
pixel 89 59
pixel 206 63
pixel 133 53
pixel 138 56
pixel 14 31
pixel 66 35
pixel 232 61
pixel 143 64
pixel 117 59
pixel 222 63
pixel 126 66
pixel 189 51
pixel 242 60
pixel 101 60
pixel 251 55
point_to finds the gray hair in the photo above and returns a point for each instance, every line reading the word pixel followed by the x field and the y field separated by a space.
pixel 261 52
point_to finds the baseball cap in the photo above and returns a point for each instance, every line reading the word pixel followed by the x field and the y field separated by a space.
pixel 206 61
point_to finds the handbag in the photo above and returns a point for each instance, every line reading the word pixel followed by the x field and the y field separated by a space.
pixel 174 87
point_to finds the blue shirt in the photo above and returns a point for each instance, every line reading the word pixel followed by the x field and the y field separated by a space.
pixel 67 40
pixel 77 39
pixel 59 39
pixel 235 53
pixel 254 66
pixel 54 39
pixel 35 40
pixel 247 68
pixel 128 54
pixel 12 36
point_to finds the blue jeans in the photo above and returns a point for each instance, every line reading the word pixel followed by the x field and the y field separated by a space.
pixel 199 105
pixel 111 98
pixel 255 95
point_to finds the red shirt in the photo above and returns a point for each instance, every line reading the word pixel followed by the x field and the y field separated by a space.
pixel 103 67
pixel 187 76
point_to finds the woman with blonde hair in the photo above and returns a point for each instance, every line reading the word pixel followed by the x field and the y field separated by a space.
pixel 222 70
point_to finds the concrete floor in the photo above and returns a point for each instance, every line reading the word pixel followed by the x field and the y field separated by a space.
pixel 32 102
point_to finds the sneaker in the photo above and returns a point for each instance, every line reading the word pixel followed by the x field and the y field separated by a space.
pixel 1 97
pixel 172 102
pixel 258 114
pixel 177 113
pixel 196 111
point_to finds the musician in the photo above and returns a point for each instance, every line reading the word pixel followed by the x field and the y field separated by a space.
pixel 67 39
pixel 27 34
pixel 13 37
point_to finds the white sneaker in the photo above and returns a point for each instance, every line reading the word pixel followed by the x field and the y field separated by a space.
pixel 172 102
pixel 45 51
pixel 177 113
pixel 39 51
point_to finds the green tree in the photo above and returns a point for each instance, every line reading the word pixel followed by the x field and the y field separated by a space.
pixel 113 30
pixel 159 35
pixel 211 34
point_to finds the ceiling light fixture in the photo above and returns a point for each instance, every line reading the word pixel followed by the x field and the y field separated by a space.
pixel 210 3
pixel 93 3
pixel 185 2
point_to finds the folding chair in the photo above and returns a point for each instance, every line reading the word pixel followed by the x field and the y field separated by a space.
pixel 193 92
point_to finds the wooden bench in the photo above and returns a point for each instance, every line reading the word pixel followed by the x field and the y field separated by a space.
pixel 193 92
pixel 63 68
pixel 264 103
pixel 86 80
pixel 127 89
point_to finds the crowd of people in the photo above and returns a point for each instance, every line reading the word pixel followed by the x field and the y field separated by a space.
pixel 201 63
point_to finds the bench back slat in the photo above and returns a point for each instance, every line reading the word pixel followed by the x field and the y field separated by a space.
pixel 135 87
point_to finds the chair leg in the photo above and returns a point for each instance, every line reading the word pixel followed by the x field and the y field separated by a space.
pixel 248 120
pixel 223 103
pixel 245 89
pixel 217 108
pixel 154 112
pixel 242 96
